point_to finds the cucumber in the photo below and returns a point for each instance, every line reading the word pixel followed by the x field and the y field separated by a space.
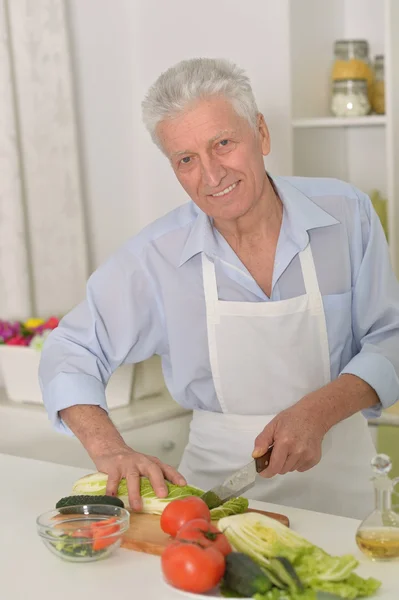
pixel 80 500
pixel 244 577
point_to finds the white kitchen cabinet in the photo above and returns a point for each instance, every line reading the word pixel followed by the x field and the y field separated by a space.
pixel 155 426
pixel 363 150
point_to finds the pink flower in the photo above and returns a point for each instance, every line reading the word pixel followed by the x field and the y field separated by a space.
pixel 51 323
pixel 18 340
pixel 8 330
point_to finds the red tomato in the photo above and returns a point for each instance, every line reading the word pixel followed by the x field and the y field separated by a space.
pixel 204 533
pixel 101 539
pixel 100 530
pixel 103 523
pixel 191 568
pixel 182 510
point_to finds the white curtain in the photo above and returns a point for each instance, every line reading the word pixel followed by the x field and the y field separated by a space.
pixel 43 246
pixel 15 293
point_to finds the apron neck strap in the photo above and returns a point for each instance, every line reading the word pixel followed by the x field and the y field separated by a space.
pixel 210 286
pixel 309 271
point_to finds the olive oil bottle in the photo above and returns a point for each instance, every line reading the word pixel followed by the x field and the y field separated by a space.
pixel 378 535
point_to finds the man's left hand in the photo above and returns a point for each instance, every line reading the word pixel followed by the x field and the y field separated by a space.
pixel 297 434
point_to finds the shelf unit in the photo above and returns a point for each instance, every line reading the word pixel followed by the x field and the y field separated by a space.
pixel 319 122
pixel 362 150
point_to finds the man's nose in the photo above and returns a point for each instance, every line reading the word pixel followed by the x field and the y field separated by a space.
pixel 212 172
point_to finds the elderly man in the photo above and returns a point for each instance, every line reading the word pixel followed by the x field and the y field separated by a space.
pixel 271 301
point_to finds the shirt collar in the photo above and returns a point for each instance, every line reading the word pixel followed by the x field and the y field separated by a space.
pixel 200 239
pixel 301 212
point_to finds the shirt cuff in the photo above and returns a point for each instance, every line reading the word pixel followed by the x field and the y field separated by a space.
pixel 379 373
pixel 69 389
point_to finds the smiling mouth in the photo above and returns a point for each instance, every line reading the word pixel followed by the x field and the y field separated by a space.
pixel 226 191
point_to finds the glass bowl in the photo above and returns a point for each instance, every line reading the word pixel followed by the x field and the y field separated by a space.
pixel 83 533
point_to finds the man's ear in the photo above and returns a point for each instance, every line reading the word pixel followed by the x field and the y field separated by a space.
pixel 264 135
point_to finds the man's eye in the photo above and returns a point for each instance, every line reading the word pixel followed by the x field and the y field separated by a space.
pixel 185 160
pixel 224 142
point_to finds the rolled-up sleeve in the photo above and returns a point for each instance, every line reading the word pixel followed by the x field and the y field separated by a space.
pixel 118 322
pixel 375 313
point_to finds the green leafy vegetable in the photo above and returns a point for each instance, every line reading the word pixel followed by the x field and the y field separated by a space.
pixel 211 499
pixel 73 546
pixel 235 506
pixel 96 484
pixel 276 594
pixel 264 538
pixel 353 587
pixel 154 505
pixel 282 568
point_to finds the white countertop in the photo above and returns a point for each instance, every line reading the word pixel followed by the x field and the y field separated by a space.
pixel 29 570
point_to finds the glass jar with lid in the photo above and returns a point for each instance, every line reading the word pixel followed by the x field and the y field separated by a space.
pixel 352 62
pixel 378 95
pixel 350 98
pixel 378 534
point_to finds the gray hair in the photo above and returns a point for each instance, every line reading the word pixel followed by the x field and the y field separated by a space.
pixel 191 80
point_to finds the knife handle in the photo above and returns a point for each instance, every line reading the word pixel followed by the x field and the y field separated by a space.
pixel 263 461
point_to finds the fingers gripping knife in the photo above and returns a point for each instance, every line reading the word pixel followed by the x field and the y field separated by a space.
pixel 238 482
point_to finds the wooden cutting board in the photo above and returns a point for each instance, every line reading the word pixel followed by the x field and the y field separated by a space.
pixel 145 533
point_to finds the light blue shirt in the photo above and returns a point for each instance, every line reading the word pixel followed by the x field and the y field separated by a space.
pixel 148 299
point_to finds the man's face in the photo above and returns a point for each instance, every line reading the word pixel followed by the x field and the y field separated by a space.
pixel 214 150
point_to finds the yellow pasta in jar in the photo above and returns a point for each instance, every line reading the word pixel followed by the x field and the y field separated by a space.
pixel 353 69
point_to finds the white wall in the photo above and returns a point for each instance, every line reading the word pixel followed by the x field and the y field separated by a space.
pixel 102 34
pixel 121 47
pixel 43 266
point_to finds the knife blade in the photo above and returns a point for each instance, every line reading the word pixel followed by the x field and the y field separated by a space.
pixel 238 482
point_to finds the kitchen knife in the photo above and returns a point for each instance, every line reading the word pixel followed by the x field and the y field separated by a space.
pixel 238 482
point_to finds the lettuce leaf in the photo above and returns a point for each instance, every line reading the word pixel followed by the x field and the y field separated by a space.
pixel 235 506
pixel 93 484
pixel 96 483
pixel 262 538
pixel 315 565
pixel 352 587
pixel 154 505
pixel 277 594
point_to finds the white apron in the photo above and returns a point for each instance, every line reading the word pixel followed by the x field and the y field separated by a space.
pixel 265 356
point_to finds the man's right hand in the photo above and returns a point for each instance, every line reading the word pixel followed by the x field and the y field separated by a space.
pixel 130 464
pixel 112 456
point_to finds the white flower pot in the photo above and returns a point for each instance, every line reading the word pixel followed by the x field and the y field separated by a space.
pixel 20 366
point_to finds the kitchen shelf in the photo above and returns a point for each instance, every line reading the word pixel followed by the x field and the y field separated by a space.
pixel 362 151
pixel 320 122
